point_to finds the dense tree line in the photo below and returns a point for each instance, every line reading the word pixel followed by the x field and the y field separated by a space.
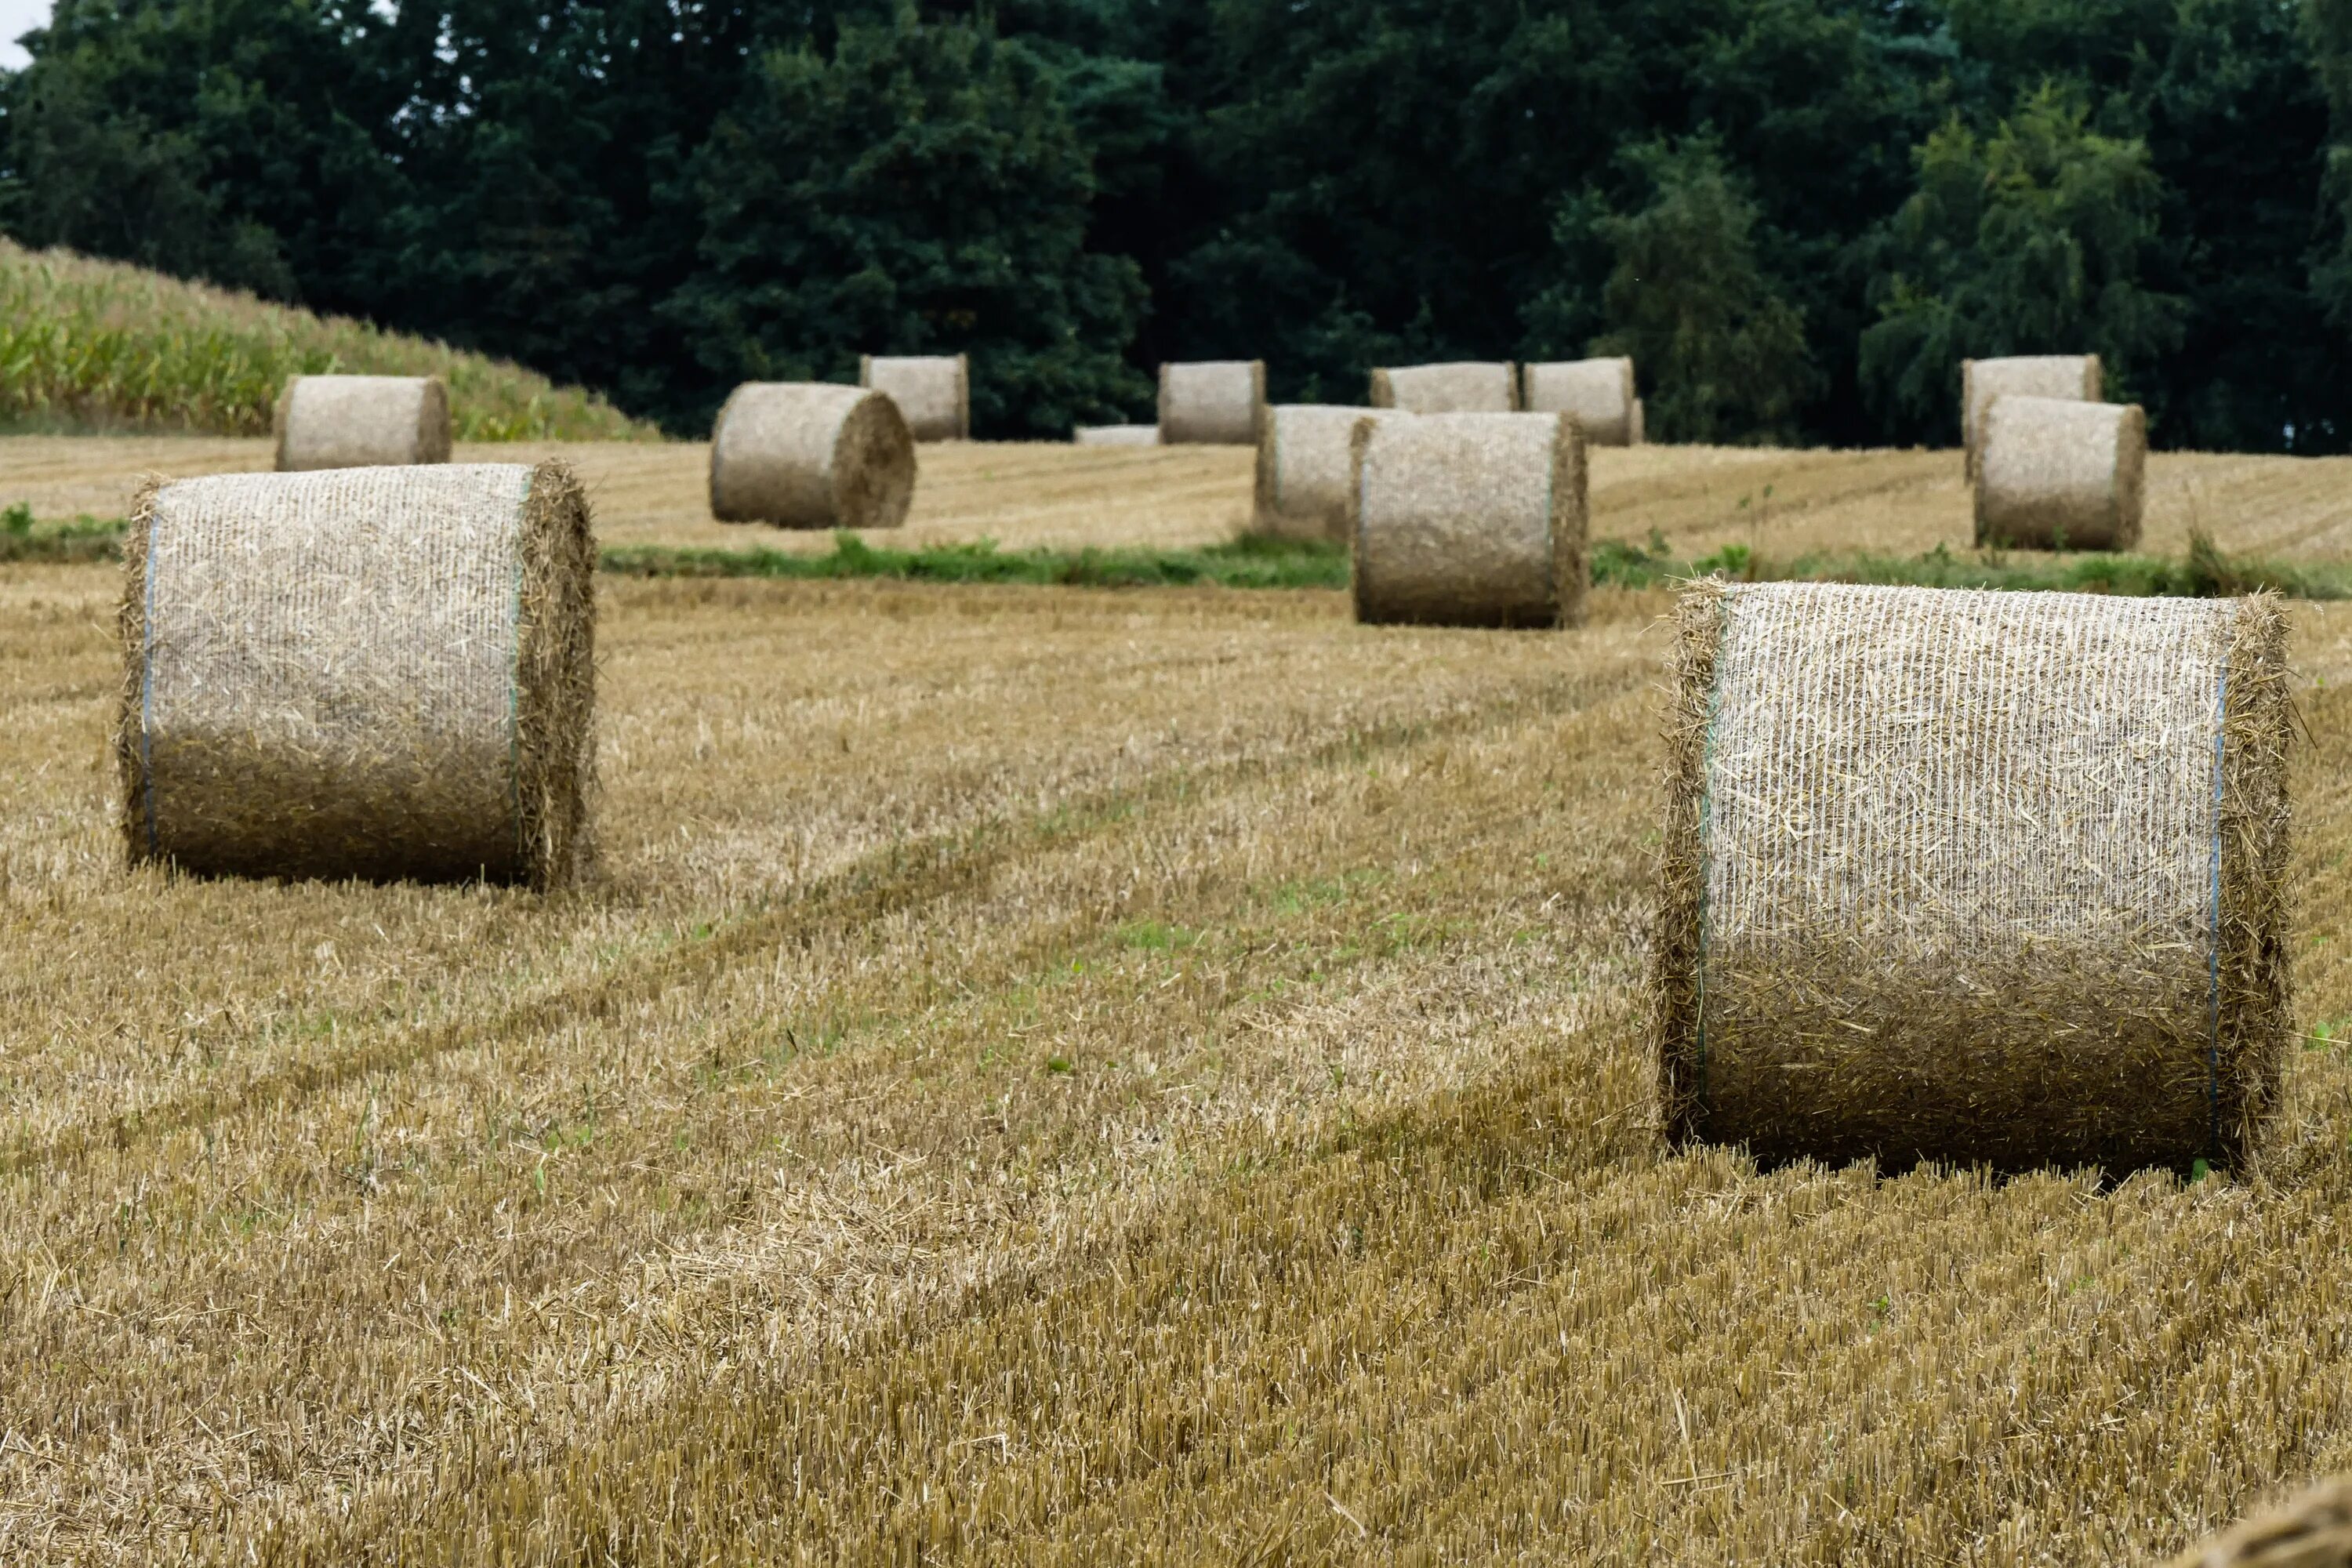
pixel 1798 215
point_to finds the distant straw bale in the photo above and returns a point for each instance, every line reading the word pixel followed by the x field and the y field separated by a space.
pixel 1461 387
pixel 361 421
pixel 1470 519
pixel 933 392
pixel 1599 392
pixel 1117 436
pixel 2057 474
pixel 1639 433
pixel 2075 377
pixel 368 672
pixel 1973 876
pixel 1306 470
pixel 2312 1530
pixel 1217 402
pixel 811 455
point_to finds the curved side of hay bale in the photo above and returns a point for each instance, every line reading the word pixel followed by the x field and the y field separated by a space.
pixel 1466 386
pixel 933 392
pixel 2057 474
pixel 1212 402
pixel 2075 377
pixel 1973 876
pixel 1639 435
pixel 1469 520
pixel 1599 392
pixel 811 455
pixel 1306 470
pixel 1116 436
pixel 2311 1530
pixel 380 673
pixel 361 421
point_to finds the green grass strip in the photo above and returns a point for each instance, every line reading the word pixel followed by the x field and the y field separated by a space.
pixel 1246 563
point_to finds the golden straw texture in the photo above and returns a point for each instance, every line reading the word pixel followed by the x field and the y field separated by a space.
pixel 361 421
pixel 1462 388
pixel 1306 470
pixel 811 455
pixel 378 672
pixel 1471 520
pixel 2056 474
pixel 1599 392
pixel 1973 876
pixel 933 392
pixel 2314 1530
pixel 1117 435
pixel 1215 402
pixel 2076 378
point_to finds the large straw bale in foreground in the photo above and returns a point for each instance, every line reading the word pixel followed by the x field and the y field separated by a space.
pixel 1470 519
pixel 1599 392
pixel 2057 474
pixel 933 392
pixel 2312 1530
pixel 811 455
pixel 1307 469
pixel 2075 377
pixel 1215 402
pixel 1973 876
pixel 369 672
pixel 1466 386
pixel 361 421
pixel 1117 435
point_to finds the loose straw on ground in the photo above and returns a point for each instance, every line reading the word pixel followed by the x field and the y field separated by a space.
pixel 2056 474
pixel 933 392
pixel 811 455
pixel 1465 387
pixel 1306 470
pixel 369 672
pixel 1215 402
pixel 2073 376
pixel 1472 520
pixel 1599 392
pixel 361 421
pixel 1973 876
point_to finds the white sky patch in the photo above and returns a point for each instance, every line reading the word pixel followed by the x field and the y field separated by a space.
pixel 19 17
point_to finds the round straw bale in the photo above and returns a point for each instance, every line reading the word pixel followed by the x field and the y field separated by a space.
pixel 1599 392
pixel 1639 433
pixel 933 392
pixel 2075 377
pixel 2054 474
pixel 361 421
pixel 1974 876
pixel 1307 469
pixel 811 455
pixel 1470 519
pixel 369 672
pixel 1465 388
pixel 1217 401
pixel 2312 1530
pixel 1117 435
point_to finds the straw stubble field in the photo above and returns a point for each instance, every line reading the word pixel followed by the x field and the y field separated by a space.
pixel 1058 1075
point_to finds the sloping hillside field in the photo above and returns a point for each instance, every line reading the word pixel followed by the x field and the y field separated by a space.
pixel 1050 1075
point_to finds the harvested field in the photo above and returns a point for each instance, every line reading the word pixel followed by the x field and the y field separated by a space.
pixel 1061 1075
pixel 2290 508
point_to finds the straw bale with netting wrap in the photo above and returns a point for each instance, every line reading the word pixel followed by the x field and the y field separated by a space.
pixel 811 455
pixel 1466 386
pixel 1469 520
pixel 361 421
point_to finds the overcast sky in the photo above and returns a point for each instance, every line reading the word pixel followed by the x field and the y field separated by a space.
pixel 19 17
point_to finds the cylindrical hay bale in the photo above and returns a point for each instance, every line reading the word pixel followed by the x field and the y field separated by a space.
pixel 1599 392
pixel 2312 1530
pixel 1466 387
pixel 933 392
pixel 1307 469
pixel 372 672
pixel 361 421
pixel 2075 377
pixel 811 455
pixel 1470 519
pixel 1117 436
pixel 2061 474
pixel 1973 876
pixel 1217 402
